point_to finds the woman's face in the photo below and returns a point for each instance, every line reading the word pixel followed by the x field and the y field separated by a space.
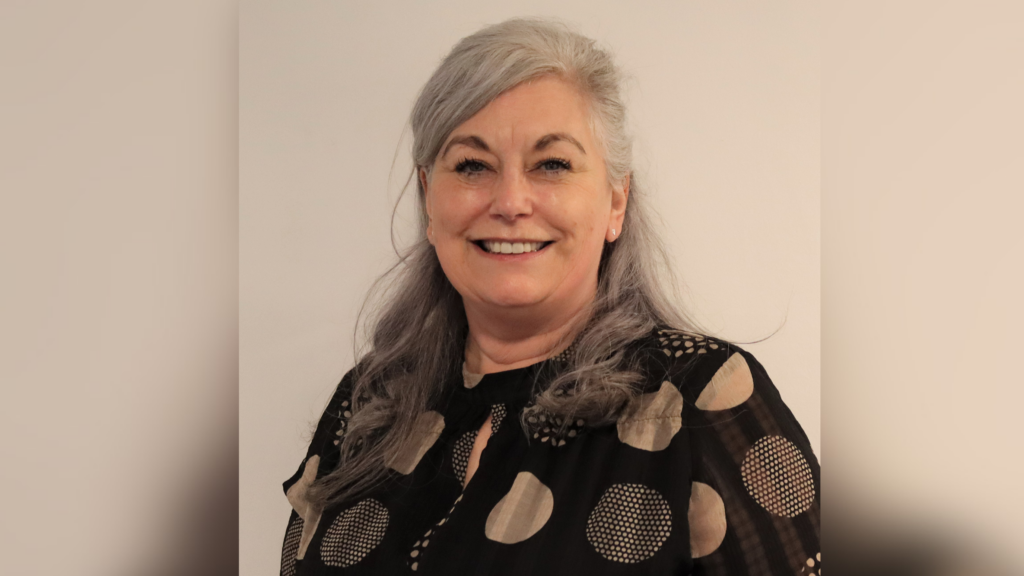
pixel 519 201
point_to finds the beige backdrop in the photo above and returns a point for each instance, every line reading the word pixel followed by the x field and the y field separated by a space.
pixel 118 249
pixel 725 103
pixel 923 193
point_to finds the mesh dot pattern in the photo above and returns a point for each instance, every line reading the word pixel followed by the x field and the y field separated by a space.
pixel 343 417
pixel 460 454
pixel 419 548
pixel 554 431
pixel 565 355
pixel 464 445
pixel 498 413
pixel 354 534
pixel 675 343
pixel 291 546
pixel 630 523
pixel 778 477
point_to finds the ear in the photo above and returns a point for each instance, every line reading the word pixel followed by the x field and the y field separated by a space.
pixel 422 175
pixel 620 197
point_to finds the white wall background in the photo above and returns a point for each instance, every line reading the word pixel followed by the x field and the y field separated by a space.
pixel 725 104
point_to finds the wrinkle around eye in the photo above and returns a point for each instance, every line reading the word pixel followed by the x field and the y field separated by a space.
pixel 554 166
pixel 471 167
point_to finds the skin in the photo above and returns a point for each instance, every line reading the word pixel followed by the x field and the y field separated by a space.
pixel 526 167
pixel 523 309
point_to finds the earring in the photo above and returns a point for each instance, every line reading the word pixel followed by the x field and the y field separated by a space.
pixel 613 232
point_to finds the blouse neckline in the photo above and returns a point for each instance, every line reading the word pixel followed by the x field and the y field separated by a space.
pixel 512 387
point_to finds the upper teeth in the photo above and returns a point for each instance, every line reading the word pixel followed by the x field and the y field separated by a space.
pixel 511 247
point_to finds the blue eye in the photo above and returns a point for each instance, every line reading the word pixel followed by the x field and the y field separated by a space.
pixel 554 165
pixel 470 166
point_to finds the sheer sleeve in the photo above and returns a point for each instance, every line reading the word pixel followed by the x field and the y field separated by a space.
pixel 321 458
pixel 755 492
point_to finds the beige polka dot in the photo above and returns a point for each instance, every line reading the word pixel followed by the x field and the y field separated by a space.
pixel 778 477
pixel 522 512
pixel 298 498
pixel 298 492
pixel 731 386
pixel 308 529
pixel 706 518
pixel 427 428
pixel 651 420
pixel 470 380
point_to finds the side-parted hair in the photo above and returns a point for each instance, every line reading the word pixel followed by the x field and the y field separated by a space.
pixel 417 327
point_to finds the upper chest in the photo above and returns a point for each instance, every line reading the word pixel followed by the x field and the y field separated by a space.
pixel 561 493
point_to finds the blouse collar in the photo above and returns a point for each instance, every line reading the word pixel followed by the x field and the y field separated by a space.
pixel 515 386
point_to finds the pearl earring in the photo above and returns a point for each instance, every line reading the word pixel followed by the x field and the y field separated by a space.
pixel 613 232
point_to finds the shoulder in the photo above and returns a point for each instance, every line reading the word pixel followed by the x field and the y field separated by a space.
pixel 691 361
pixel 323 450
pixel 724 390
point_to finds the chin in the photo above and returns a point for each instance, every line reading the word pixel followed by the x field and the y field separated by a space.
pixel 513 294
pixel 512 299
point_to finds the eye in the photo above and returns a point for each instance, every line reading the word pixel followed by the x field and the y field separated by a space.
pixel 470 166
pixel 554 165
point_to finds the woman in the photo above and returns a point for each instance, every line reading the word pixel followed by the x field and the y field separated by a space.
pixel 530 402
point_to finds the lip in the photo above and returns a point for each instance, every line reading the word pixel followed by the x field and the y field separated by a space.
pixel 509 240
pixel 510 257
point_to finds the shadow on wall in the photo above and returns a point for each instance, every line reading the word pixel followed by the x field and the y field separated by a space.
pixel 203 539
pixel 863 544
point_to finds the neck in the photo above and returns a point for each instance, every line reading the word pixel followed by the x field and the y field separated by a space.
pixel 507 338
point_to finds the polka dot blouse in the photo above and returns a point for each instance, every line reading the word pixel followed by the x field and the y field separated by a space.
pixel 705 472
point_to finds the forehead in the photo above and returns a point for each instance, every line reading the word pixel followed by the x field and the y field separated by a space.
pixel 530 111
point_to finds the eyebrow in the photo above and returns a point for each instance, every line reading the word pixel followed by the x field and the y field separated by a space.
pixel 550 139
pixel 479 144
pixel 471 141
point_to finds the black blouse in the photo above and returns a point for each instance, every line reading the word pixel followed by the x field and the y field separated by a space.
pixel 705 472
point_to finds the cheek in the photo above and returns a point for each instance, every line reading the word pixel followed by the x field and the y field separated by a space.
pixel 453 211
pixel 452 216
pixel 451 251
pixel 581 219
pixel 588 224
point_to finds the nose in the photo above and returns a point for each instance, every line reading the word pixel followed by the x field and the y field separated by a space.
pixel 512 197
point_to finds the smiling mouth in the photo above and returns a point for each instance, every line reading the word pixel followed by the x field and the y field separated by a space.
pixel 499 247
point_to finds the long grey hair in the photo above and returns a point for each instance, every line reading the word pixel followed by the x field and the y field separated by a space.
pixel 417 334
